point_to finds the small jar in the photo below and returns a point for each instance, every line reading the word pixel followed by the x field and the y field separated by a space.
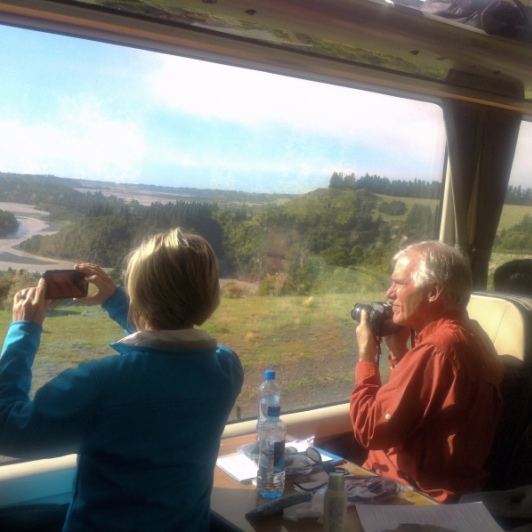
pixel 335 504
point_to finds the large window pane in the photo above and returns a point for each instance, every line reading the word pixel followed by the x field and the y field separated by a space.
pixel 305 190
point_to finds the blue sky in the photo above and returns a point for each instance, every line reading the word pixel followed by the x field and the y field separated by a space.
pixel 76 108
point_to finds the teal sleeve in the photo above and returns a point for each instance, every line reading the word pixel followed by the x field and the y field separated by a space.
pixel 20 346
pixel 52 424
pixel 117 307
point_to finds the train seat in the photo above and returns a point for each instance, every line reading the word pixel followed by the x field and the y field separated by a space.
pixel 507 319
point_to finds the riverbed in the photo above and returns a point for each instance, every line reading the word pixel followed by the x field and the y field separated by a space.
pixel 31 223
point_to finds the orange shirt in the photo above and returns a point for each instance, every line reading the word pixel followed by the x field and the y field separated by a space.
pixel 432 425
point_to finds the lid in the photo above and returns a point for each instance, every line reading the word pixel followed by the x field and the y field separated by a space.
pixel 336 481
pixel 269 374
pixel 274 410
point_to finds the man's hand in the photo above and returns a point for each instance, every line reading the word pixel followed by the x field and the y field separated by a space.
pixel 29 304
pixel 99 278
pixel 396 343
pixel 367 343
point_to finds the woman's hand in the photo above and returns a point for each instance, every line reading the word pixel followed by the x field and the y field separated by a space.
pixel 99 278
pixel 367 343
pixel 29 304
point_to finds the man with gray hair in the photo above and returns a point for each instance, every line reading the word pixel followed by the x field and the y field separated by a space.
pixel 433 423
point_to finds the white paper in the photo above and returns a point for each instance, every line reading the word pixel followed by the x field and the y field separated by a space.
pixel 468 517
pixel 238 466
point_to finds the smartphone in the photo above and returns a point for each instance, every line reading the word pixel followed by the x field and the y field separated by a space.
pixel 65 284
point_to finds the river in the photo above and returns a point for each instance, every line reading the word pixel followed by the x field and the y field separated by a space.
pixel 31 223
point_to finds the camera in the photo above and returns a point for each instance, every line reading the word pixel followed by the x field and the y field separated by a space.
pixel 380 316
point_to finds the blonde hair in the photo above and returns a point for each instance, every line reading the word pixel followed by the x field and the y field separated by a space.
pixel 172 281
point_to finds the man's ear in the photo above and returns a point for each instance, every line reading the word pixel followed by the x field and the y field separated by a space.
pixel 435 292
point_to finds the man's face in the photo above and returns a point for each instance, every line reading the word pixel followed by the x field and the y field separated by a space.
pixel 410 303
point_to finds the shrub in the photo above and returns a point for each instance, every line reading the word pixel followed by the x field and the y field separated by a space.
pixel 233 291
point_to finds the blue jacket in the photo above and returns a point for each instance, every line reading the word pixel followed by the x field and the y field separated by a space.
pixel 146 425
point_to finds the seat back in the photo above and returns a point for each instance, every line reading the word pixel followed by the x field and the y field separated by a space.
pixel 507 319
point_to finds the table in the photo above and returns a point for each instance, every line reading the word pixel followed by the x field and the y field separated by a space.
pixel 231 500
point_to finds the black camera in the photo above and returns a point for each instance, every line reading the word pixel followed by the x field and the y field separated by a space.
pixel 380 316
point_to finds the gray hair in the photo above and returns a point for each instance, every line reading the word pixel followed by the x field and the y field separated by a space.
pixel 444 264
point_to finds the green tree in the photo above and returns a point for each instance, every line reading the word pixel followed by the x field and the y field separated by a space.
pixel 419 222
pixel 8 223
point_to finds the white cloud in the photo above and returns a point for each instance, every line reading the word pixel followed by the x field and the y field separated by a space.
pixel 258 100
pixel 79 140
pixel 94 137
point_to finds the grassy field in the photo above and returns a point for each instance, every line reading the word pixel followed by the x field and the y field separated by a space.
pixel 512 215
pixel 409 202
pixel 310 341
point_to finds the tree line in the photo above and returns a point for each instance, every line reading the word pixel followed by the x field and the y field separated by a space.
pixel 515 195
pixel 382 185
pixel 55 195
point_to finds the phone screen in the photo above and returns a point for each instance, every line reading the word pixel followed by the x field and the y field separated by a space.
pixel 63 284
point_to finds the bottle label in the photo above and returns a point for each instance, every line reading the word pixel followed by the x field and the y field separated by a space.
pixel 272 456
pixel 271 474
pixel 278 455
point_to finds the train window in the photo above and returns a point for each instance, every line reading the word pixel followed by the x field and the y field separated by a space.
pixel 514 233
pixel 304 189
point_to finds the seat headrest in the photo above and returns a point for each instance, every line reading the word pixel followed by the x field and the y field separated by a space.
pixel 507 319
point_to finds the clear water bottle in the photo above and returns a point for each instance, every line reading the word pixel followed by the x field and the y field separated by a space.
pixel 269 395
pixel 272 437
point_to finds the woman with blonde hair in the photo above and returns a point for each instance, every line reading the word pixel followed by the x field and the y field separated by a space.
pixel 146 424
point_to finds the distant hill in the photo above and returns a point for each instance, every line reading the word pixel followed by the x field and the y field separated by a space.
pixel 48 189
pixel 166 193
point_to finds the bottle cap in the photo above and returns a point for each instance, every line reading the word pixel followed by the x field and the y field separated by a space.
pixel 336 481
pixel 274 410
pixel 269 375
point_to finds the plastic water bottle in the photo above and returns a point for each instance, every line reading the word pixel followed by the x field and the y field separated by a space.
pixel 272 437
pixel 335 504
pixel 269 395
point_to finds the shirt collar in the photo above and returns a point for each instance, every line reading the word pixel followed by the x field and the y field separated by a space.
pixel 450 315
pixel 173 339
